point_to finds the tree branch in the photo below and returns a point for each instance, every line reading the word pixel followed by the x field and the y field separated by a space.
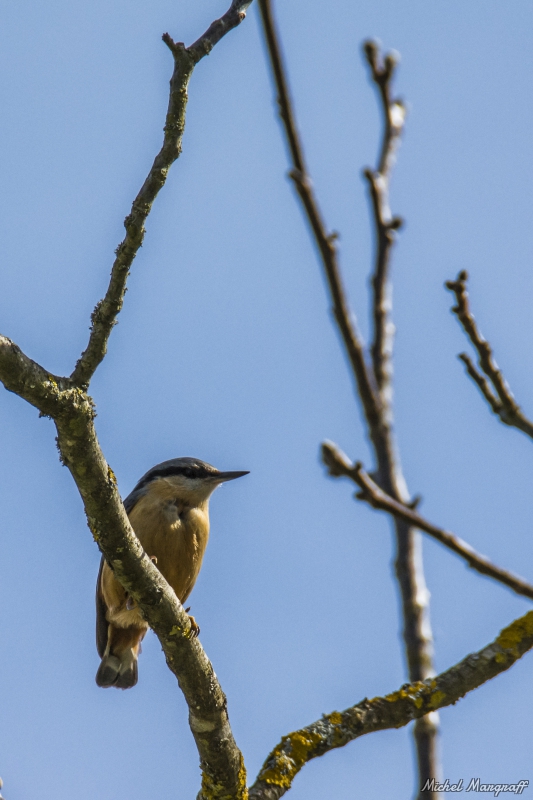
pixel 29 380
pixel 375 393
pixel 73 414
pixel 324 241
pixel 408 563
pixel 218 29
pixel 65 400
pixel 223 773
pixel 412 701
pixel 104 316
pixel 495 390
pixel 385 224
pixel 339 465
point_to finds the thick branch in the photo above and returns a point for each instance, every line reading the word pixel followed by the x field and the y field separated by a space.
pixel 495 390
pixel 385 225
pixel 105 314
pixel 221 761
pixel 339 465
pixel 395 710
pixel 72 410
pixel 64 399
pixel 324 241
pixel 29 380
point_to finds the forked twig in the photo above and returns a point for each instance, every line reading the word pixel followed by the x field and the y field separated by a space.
pixel 488 378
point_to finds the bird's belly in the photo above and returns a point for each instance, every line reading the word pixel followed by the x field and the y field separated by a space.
pixel 177 549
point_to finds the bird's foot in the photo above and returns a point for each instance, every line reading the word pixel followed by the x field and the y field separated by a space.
pixel 195 628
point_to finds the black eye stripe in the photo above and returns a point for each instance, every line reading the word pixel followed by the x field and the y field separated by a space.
pixel 166 472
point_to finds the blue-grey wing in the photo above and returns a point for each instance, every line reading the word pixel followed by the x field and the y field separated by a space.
pixel 133 498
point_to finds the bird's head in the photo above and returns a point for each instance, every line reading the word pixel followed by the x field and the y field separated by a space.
pixel 187 479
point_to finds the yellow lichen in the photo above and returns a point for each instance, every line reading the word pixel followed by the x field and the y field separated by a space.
pixel 111 475
pixel 212 790
pixel 335 718
pixel 514 634
pixel 243 790
pixel 409 692
pixel 288 761
pixel 436 698
pixel 177 631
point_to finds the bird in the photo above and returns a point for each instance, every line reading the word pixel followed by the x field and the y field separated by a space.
pixel 169 511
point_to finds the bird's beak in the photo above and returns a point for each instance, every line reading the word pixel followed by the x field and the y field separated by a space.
pixel 221 477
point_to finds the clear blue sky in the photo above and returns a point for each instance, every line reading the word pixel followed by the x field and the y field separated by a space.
pixel 226 351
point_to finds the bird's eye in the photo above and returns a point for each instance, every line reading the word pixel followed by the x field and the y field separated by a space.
pixel 188 472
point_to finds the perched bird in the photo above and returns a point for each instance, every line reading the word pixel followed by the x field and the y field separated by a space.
pixel 169 512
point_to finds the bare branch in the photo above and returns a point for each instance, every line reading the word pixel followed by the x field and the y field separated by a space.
pixel 65 400
pixel 221 761
pixel 411 701
pixel 481 382
pixel 233 17
pixel 29 380
pixel 386 225
pixel 375 396
pixel 496 390
pixel 73 413
pixel 339 465
pixel 105 314
pixel 408 563
pixel 324 241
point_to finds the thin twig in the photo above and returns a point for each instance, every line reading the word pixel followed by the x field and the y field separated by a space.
pixel 408 563
pixel 495 390
pixel 218 29
pixel 325 242
pixel 382 72
pixel 105 314
pixel 339 465
pixel 411 701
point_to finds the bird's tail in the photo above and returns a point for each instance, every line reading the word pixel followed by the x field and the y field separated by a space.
pixel 119 661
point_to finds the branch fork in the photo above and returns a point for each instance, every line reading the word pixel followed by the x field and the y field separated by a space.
pixel 66 401
pixel 487 375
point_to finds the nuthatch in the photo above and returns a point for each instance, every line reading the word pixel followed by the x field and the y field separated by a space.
pixel 169 512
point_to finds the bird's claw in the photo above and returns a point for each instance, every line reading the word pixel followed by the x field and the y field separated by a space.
pixel 195 628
